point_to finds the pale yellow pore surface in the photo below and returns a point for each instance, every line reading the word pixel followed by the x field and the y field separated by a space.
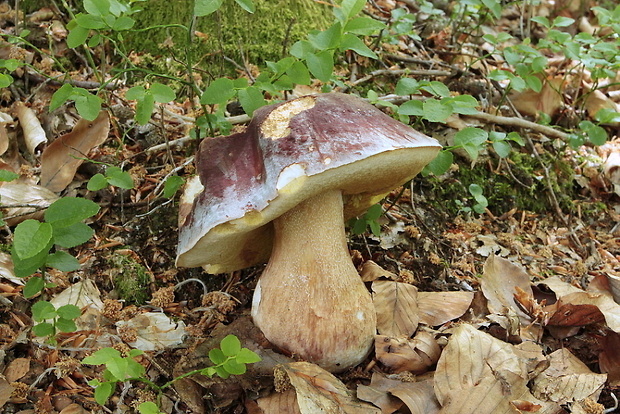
pixel 275 126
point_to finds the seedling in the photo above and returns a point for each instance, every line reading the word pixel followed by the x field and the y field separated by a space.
pixel 229 359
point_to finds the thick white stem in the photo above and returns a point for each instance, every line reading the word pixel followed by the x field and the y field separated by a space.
pixel 310 300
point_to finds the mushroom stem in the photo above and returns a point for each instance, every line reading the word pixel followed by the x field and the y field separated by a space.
pixel 310 299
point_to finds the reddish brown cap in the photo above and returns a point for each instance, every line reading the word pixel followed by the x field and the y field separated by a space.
pixel 289 152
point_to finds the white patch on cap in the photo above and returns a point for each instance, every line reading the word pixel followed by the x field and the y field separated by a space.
pixel 291 178
pixel 327 161
pixel 276 124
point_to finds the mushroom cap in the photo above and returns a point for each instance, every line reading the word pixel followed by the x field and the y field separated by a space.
pixel 288 153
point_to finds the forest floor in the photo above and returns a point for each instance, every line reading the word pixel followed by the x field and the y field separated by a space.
pixel 519 288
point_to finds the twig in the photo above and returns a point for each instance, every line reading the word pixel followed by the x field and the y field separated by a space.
pixel 398 72
pixel 520 123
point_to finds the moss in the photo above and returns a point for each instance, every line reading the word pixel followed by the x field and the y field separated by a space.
pixel 131 279
pixel 527 190
pixel 231 31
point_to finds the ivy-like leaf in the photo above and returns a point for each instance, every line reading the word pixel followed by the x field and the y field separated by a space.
pixel 69 210
pixel 63 261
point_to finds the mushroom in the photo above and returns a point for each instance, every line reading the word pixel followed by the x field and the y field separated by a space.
pixel 280 192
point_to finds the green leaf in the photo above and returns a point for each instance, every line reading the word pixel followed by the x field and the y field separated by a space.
pixel 43 329
pixel 412 108
pixel 217 356
pixel 97 182
pixel 31 238
pixel 436 111
pixel 101 356
pixel 374 212
pixel 299 74
pixel 502 148
pixel 352 42
pixel 7 176
pixel 562 21
pixel 247 5
pixel 63 261
pixel 61 96
pixel 26 267
pixel 437 88
pixel 89 21
pixel 5 80
pixel 246 356
pixel 543 21
pixel 71 236
pixel 103 392
pixel 364 26
pixel 65 325
pixel 97 7
pixel 69 311
pixel 407 86
pixel 348 9
pixel 206 7
pixel 327 39
pixel 135 93
pixel 69 210
pixel 301 49
pixel 162 93
pixel 172 185
pixel 88 106
pixel 221 372
pixel 144 108
pixel 119 178
pixel 533 82
pixel 77 36
pixel 118 368
pixel 494 6
pixel 375 227
pixel 123 23
pixel 462 104
pixel 472 140
pixel 233 367
pixel 321 65
pixel 251 99
pixel 33 287
pixel 43 310
pixel 442 162
pixel 218 92
pixel 148 407
pixel 230 345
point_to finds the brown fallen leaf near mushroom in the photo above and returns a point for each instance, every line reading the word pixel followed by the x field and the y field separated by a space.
pixel 281 191
pixel 318 391
pixel 478 373
pixel 61 159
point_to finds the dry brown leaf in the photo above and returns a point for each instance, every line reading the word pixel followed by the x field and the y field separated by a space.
pixel 596 100
pixel 403 354
pixel 16 369
pixel 417 396
pixel 571 298
pixel 6 389
pixel 73 409
pixel 4 139
pixel 61 159
pixel 377 393
pixel 279 403
pixel 500 278
pixel 437 308
pixel 318 391
pixel 609 358
pixel 567 379
pixel 372 271
pixel 22 194
pixel 34 135
pixel 548 101
pixel 396 306
pixel 478 373
pixel 7 270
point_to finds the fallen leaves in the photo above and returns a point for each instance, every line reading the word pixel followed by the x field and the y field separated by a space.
pixel 61 159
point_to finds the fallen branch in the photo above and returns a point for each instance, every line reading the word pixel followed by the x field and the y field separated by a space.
pixel 520 123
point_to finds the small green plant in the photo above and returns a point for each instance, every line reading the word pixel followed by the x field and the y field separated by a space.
pixel 229 359
pixel 33 241
pixel 51 320
pixel 359 225
pixel 113 176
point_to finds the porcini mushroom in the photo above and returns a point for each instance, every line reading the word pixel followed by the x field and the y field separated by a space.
pixel 281 191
